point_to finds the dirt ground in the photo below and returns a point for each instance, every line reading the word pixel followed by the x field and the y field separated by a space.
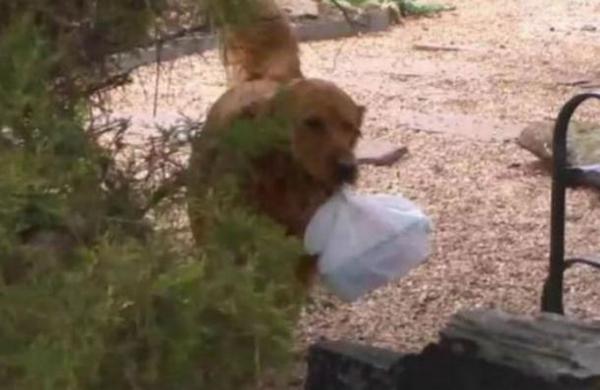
pixel 506 63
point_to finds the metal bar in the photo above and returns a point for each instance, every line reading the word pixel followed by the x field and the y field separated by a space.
pixel 552 297
pixel 591 261
pixel 586 175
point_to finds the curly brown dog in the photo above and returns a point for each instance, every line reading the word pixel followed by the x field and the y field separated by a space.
pixel 323 124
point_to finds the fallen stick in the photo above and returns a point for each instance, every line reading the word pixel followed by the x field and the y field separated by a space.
pixel 435 48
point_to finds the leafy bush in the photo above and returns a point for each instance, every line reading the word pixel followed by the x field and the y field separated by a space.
pixel 404 7
pixel 408 7
pixel 95 293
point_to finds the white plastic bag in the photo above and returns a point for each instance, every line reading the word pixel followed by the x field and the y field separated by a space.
pixel 365 241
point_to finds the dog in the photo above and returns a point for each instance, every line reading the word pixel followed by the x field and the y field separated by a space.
pixel 261 48
pixel 322 124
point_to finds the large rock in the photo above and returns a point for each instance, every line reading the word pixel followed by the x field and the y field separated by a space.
pixel 583 142
pixel 583 147
pixel 299 8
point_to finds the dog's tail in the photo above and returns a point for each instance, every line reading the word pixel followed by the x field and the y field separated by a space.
pixel 263 47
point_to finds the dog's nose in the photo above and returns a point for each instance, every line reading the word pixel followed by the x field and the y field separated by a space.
pixel 347 171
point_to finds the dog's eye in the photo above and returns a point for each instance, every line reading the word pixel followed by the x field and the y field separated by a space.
pixel 350 128
pixel 314 123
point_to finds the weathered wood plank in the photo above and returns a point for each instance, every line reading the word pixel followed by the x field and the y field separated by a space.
pixel 338 365
pixel 549 346
pixel 478 350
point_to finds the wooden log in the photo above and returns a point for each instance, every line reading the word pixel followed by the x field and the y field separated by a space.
pixel 555 348
pixel 339 365
pixel 478 350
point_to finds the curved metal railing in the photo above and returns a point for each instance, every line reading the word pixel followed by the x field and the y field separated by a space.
pixel 563 177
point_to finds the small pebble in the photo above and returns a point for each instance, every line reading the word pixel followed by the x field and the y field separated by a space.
pixel 589 28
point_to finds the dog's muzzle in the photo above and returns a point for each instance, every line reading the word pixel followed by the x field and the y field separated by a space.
pixel 347 171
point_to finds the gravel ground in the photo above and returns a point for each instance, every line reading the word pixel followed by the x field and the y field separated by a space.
pixel 488 199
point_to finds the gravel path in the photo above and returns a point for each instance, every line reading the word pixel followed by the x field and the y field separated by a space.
pixel 488 199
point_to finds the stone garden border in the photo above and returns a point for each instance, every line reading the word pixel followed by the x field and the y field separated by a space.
pixel 306 30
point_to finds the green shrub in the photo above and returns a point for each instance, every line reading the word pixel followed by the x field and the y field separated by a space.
pixel 94 294
pixel 408 7
pixel 404 7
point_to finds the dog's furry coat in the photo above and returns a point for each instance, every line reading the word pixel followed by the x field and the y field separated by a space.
pixel 322 121
pixel 263 49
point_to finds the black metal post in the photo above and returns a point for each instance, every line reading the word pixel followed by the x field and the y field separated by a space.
pixel 552 298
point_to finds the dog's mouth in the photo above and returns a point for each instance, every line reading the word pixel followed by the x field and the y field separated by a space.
pixel 346 172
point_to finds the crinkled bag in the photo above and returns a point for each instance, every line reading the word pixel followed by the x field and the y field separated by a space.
pixel 366 241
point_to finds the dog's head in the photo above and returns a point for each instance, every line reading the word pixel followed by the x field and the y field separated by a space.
pixel 326 125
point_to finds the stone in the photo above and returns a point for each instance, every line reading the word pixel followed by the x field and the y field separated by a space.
pixel 536 138
pixel 299 8
pixel 589 28
pixel 583 142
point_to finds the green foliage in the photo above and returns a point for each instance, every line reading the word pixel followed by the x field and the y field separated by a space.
pixel 46 158
pixel 409 7
pixel 406 7
pixel 126 315
pixel 228 11
pixel 250 265
pixel 88 300
pixel 82 35
pixel 249 139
